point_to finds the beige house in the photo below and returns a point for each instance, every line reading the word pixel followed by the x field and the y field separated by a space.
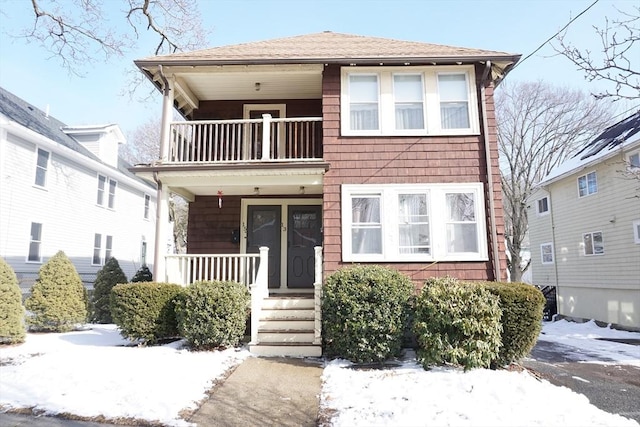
pixel 584 227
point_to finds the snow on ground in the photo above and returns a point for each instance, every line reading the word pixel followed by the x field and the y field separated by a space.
pixel 90 373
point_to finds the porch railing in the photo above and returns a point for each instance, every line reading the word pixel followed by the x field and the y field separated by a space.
pixel 186 269
pixel 250 140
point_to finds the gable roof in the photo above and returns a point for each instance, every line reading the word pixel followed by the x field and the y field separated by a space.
pixel 616 137
pixel 31 117
pixel 328 47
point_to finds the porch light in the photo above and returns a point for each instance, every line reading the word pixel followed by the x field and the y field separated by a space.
pixel 219 199
pixel 256 191
pixel 257 85
pixel 302 189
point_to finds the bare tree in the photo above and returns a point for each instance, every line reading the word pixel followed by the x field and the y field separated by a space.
pixel 80 31
pixel 618 61
pixel 143 147
pixel 539 126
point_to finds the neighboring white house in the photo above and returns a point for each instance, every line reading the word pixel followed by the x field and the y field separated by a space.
pixel 584 227
pixel 65 188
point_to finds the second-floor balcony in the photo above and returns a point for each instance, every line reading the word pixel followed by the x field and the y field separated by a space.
pixel 266 139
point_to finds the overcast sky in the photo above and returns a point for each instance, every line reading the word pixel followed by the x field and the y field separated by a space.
pixel 514 26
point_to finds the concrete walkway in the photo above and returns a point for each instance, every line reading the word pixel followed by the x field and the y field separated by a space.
pixel 265 392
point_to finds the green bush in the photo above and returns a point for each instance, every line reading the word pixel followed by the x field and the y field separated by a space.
pixel 108 276
pixel 58 300
pixel 142 275
pixel 456 323
pixel 364 313
pixel 522 306
pixel 213 314
pixel 145 311
pixel 11 310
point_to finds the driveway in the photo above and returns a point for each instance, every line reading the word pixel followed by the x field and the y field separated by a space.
pixel 611 387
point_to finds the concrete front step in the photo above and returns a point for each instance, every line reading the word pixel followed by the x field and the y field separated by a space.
pixel 280 303
pixel 283 336
pixel 286 349
pixel 292 324
pixel 287 314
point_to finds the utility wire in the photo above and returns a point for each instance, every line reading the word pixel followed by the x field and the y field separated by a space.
pixel 555 35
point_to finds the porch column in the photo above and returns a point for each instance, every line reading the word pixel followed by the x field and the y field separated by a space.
pixel 162 226
pixel 167 115
pixel 266 136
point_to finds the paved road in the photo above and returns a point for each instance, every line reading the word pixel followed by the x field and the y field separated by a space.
pixel 612 388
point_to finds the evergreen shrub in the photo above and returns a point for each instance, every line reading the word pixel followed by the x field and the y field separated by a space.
pixel 213 314
pixel 145 311
pixel 522 309
pixel 12 330
pixel 142 275
pixel 58 300
pixel 456 323
pixel 108 276
pixel 364 313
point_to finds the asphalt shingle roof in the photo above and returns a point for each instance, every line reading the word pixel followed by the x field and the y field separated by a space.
pixel 326 47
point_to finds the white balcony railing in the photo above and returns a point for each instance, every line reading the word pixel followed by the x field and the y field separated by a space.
pixel 250 140
pixel 186 269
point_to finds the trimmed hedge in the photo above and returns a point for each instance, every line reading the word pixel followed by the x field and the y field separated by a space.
pixel 364 313
pixel 12 329
pixel 142 275
pixel 108 276
pixel 456 323
pixel 522 309
pixel 58 300
pixel 213 314
pixel 145 311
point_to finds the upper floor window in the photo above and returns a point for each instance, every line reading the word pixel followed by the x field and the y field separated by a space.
pixel 404 222
pixel 593 243
pixel 437 100
pixel 636 232
pixel 546 253
pixel 147 203
pixel 106 191
pixel 42 164
pixel 587 184
pixel 35 242
pixel 634 160
pixel 542 206
pixel 100 254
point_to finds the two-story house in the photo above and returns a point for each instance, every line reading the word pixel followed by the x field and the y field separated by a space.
pixel 65 188
pixel 584 227
pixel 327 150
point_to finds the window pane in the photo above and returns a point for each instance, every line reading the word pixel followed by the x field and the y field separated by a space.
pixel 462 238
pixel 364 117
pixel 112 193
pixel 413 227
pixel 97 244
pixel 363 88
pixel 366 240
pixel 454 115
pixel 36 230
pixel 365 209
pixel 592 183
pixel 460 207
pixel 101 185
pixel 363 109
pixel 409 116
pixel 452 87
pixel 454 105
pixel 41 167
pixel 598 244
pixel 547 253
pixel 146 206
pixel 407 88
pixel 634 160
pixel 108 248
pixel 35 240
pixel 366 232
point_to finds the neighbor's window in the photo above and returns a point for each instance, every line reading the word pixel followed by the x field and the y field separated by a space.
pixel 546 253
pixel 636 231
pixel 411 100
pixel 587 184
pixel 102 182
pixel 112 193
pixel 454 101
pixel 413 222
pixel 542 206
pixel 108 248
pixel 363 102
pixel 106 191
pixel 143 252
pixel 147 202
pixel 35 241
pixel 634 160
pixel 42 165
pixel 97 249
pixel 593 244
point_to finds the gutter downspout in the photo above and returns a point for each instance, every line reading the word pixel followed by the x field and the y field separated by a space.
pixel 553 243
pixel 487 154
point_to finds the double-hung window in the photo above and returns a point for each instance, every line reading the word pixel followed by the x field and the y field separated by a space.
pixel 106 192
pixel 100 254
pixel 587 184
pixel 542 206
pixel 147 203
pixel 546 253
pixel 42 165
pixel 593 243
pixel 410 100
pixel 634 161
pixel 35 242
pixel 413 222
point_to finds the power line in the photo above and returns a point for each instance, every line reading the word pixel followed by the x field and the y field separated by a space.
pixel 555 35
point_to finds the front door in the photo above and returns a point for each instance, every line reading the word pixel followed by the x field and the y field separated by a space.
pixel 263 229
pixel 303 234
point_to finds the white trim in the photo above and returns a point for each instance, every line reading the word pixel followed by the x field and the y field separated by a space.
pixel 284 215
pixel 543 213
pixel 436 194
pixel 553 257
pixel 431 101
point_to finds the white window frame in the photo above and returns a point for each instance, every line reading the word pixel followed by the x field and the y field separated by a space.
pixel 633 161
pixel 541 212
pixel 389 218
pixel 548 245
pixel 147 206
pixel 593 248
pixel 38 167
pixel 105 197
pixel 431 100
pixel 34 241
pixel 104 249
pixel 636 232
pixel 586 178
